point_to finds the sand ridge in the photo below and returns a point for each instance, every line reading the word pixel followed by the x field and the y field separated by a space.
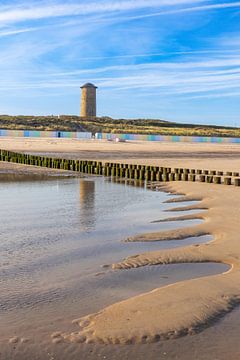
pixel 186 307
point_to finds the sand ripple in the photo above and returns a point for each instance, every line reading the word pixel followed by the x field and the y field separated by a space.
pixel 186 307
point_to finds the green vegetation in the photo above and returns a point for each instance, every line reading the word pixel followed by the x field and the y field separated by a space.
pixel 161 127
pixel 109 125
pixel 46 123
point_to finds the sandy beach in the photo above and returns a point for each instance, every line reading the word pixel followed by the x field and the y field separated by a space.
pixel 187 307
pixel 210 156
pixel 184 320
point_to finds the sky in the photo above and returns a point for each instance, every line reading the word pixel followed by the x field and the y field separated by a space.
pixel 177 60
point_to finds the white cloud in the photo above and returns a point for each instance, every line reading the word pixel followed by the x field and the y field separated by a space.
pixel 169 53
pixel 230 41
pixel 168 78
pixel 191 9
pixel 209 63
pixel 17 31
pixel 33 12
pixel 216 95
pixel 53 59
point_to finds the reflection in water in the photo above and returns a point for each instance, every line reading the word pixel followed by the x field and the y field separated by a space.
pixel 54 238
pixel 23 177
pixel 11 177
pixel 129 182
pixel 87 204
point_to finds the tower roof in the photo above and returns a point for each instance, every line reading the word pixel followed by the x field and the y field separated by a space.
pixel 89 85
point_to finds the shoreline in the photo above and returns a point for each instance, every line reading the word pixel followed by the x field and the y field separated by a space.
pixel 222 157
pixel 125 171
pixel 198 303
pixel 18 170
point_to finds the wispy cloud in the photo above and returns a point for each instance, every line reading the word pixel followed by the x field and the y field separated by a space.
pixel 24 13
pixel 170 78
pixel 164 54
pixel 183 10
pixel 226 61
pixel 52 47
pixel 17 31
pixel 224 94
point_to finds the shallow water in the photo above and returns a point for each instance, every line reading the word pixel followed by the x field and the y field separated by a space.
pixel 56 234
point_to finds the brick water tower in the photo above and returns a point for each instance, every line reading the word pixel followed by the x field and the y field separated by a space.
pixel 88 102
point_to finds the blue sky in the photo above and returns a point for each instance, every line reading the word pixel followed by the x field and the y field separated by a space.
pixel 176 60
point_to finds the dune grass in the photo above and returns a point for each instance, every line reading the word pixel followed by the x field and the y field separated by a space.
pixel 109 125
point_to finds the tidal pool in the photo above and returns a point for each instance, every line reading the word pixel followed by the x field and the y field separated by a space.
pixel 55 235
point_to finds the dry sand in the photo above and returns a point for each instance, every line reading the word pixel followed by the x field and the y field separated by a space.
pixel 212 156
pixel 187 307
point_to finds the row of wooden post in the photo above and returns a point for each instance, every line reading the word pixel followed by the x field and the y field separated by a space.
pixel 127 171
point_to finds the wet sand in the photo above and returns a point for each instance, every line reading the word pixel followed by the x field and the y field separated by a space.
pixel 196 304
pixel 200 306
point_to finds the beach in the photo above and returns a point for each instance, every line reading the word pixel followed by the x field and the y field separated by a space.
pixel 183 320
pixel 196 155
